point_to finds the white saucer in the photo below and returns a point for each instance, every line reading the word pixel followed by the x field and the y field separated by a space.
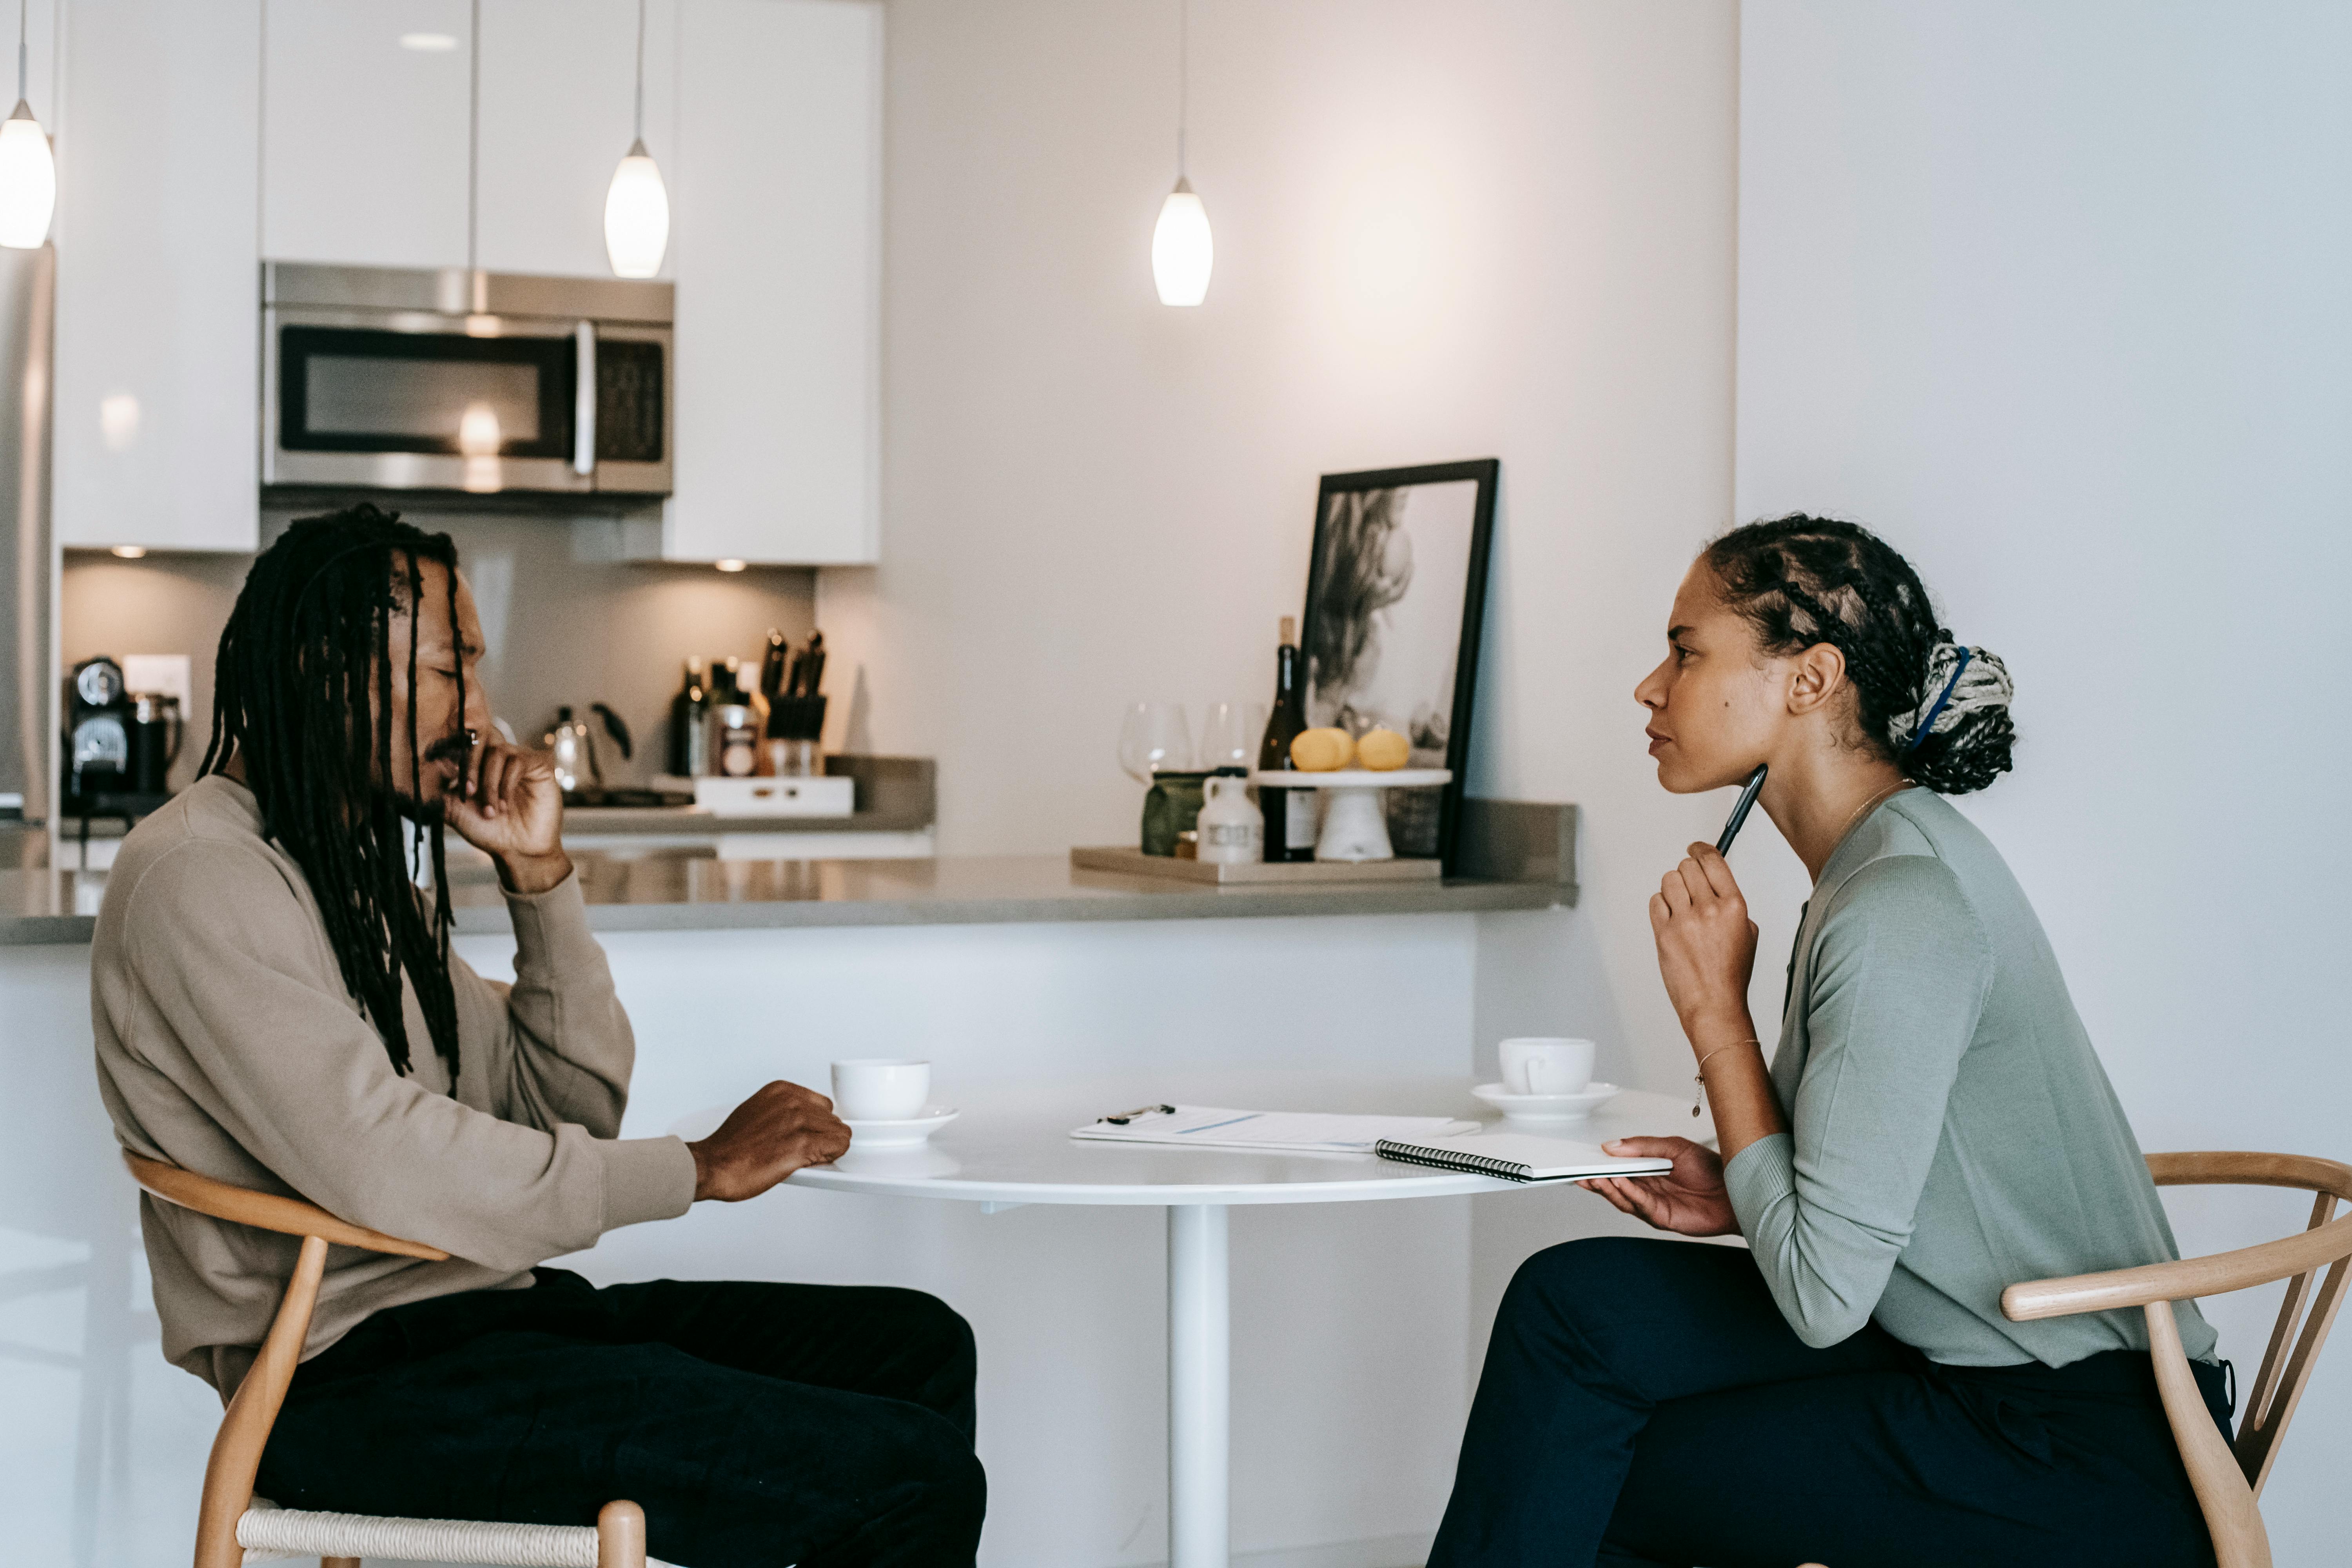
pixel 1547 1110
pixel 901 1134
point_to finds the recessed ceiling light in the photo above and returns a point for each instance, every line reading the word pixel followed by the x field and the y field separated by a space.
pixel 731 565
pixel 428 43
pixel 131 552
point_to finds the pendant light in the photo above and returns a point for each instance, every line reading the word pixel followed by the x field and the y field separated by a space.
pixel 1182 251
pixel 636 207
pixel 29 173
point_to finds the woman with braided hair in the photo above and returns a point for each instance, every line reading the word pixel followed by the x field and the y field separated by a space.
pixel 1933 1127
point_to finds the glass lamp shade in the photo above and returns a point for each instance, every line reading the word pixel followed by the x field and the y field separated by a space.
pixel 1182 254
pixel 28 180
pixel 636 216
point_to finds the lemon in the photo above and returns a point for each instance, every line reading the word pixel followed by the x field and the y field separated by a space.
pixel 1382 750
pixel 1322 750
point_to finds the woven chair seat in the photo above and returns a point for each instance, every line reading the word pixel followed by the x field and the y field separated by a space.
pixel 268 1533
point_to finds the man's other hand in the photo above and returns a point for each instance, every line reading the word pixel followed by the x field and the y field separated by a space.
pixel 507 804
pixel 765 1139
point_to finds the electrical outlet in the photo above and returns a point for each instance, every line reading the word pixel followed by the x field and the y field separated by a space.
pixel 162 674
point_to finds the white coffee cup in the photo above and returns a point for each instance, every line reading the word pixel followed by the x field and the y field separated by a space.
pixel 1543 1064
pixel 880 1088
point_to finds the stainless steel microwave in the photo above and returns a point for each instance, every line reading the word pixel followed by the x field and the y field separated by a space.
pixel 392 378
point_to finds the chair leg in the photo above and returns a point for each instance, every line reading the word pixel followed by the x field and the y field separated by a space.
pixel 339 1563
pixel 620 1536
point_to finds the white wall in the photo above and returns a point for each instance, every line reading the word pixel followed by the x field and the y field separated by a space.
pixel 1486 228
pixel 2055 297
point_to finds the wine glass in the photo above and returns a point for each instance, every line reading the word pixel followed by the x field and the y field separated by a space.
pixel 1232 733
pixel 1154 738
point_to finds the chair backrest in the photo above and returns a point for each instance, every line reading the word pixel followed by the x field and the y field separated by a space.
pixel 265 1211
pixel 2227 1479
pixel 2269 1404
pixel 236 1457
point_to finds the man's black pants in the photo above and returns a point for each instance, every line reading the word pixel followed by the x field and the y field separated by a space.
pixel 1645 1403
pixel 756 1425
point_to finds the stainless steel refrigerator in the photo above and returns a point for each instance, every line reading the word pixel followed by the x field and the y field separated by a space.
pixel 27 563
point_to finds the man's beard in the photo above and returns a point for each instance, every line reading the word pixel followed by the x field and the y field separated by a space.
pixel 425 814
pixel 454 747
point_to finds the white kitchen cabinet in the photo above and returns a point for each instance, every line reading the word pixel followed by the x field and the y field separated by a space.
pixel 157 346
pixel 776 245
pixel 363 137
pixel 558 78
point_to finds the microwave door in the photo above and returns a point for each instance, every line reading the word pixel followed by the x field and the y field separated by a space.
pixel 432 402
pixel 635 392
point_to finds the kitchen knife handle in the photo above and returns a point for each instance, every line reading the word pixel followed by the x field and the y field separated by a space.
pixel 583 412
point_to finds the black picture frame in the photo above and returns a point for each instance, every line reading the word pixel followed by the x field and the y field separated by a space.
pixel 1334 599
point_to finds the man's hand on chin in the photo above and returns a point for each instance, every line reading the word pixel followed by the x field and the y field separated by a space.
pixel 507 803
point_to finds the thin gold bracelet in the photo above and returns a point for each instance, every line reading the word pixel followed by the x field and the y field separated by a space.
pixel 1700 1077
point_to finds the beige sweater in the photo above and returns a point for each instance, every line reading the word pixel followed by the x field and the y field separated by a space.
pixel 227 1045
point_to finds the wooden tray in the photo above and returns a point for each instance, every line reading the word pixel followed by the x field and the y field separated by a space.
pixel 1261 873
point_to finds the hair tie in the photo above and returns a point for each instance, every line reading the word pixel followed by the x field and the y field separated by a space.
pixel 1976 679
pixel 1928 725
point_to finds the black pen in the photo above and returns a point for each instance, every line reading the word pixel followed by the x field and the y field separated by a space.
pixel 1739 812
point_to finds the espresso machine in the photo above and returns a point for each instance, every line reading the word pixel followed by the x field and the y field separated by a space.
pixel 99 715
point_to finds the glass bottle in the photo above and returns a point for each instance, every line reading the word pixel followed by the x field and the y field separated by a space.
pixel 1289 812
pixel 686 739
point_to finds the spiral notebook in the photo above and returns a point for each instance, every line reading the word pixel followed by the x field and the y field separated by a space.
pixel 1519 1157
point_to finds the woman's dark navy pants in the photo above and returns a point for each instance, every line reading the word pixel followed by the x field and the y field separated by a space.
pixel 1645 1403
pixel 757 1425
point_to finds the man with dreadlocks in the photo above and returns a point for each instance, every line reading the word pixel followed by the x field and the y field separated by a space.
pixel 275 1005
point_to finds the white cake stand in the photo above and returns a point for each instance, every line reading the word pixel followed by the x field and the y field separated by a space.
pixel 1356 818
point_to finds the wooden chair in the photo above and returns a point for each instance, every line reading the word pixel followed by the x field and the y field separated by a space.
pixel 2226 1477
pixel 235 1527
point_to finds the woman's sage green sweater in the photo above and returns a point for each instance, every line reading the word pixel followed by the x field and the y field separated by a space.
pixel 1952 1130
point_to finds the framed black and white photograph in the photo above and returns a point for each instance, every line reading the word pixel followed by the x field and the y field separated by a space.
pixel 1396 592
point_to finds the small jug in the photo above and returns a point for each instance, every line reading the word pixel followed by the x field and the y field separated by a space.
pixel 1231 831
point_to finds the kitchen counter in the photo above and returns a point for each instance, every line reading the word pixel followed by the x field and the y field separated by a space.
pixel 1521 851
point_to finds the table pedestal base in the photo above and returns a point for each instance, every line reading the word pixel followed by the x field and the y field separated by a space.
pixel 1200 1388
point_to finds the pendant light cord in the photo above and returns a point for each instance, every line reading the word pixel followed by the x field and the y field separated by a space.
pixel 473 145
pixel 638 133
pixel 1183 74
pixel 23 78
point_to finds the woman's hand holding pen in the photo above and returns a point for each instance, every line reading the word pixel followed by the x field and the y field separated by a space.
pixel 1706 951
pixel 1707 948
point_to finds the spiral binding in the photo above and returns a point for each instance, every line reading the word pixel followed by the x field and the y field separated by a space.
pixel 1449 1160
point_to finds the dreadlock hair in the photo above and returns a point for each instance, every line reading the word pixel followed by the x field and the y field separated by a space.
pixel 302 692
pixel 1937 710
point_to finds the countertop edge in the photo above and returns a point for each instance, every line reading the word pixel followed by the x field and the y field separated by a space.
pixel 784 915
pixel 1208 903
pixel 1459 897
pixel 46 931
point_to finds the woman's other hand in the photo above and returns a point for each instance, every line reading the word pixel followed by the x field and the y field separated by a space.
pixel 1689 1200
pixel 1707 943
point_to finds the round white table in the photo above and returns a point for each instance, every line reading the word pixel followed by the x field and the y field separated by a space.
pixel 1005 1159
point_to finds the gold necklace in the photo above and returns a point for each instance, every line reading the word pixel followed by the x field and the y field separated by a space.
pixel 1898 785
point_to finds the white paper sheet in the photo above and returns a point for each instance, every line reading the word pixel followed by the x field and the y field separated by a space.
pixel 1301 1132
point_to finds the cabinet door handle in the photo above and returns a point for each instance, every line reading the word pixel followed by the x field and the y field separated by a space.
pixel 584 413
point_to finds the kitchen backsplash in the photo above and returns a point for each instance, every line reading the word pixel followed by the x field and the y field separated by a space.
pixel 564 623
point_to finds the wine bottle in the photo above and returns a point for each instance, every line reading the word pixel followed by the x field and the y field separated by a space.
pixel 1289 812
pixel 685 715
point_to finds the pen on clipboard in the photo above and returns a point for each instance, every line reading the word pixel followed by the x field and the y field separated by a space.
pixel 1124 1117
pixel 1739 812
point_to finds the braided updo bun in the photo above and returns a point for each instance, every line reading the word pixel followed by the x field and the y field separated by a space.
pixel 1936 708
